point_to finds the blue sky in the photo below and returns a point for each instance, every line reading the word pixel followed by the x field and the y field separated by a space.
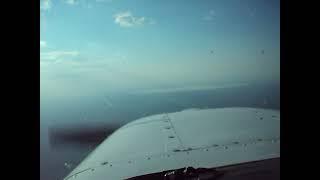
pixel 97 46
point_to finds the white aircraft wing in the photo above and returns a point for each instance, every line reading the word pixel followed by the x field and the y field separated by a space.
pixel 192 138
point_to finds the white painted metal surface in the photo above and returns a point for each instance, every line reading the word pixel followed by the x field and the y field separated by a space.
pixel 199 138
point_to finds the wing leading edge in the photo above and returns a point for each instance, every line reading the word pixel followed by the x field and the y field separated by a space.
pixel 206 138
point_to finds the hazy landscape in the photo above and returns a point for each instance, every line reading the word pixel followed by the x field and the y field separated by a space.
pixel 123 108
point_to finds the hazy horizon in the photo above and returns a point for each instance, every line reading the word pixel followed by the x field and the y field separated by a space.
pixel 90 47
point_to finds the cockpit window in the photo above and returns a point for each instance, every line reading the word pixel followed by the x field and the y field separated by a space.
pixel 105 63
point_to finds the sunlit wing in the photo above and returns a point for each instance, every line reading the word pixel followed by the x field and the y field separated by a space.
pixel 209 138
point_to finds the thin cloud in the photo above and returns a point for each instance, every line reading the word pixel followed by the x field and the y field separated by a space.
pixel 43 44
pixel 85 3
pixel 210 16
pixel 126 19
pixel 252 12
pixel 57 55
pixel 45 5
pixel 104 1
pixel 71 2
